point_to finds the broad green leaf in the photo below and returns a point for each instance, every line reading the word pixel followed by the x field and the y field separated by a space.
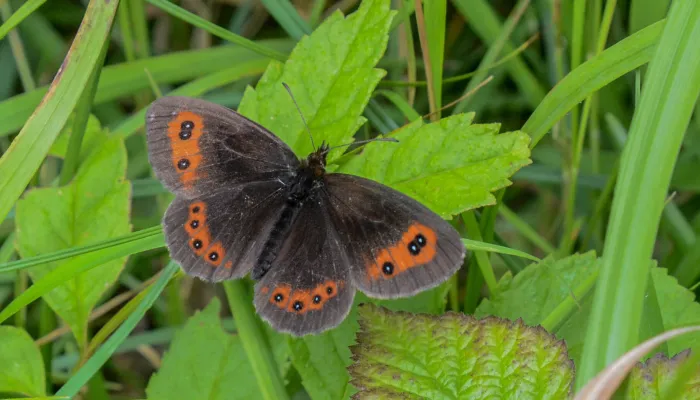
pixel 93 207
pixel 92 138
pixel 322 360
pixel 678 309
pixel 450 166
pixel 203 359
pixel 648 380
pixel 331 74
pixel 539 288
pixel 21 363
pixel 452 356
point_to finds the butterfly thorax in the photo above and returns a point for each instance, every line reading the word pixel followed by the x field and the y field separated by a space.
pixel 304 183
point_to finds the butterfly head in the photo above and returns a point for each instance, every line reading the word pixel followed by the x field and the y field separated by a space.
pixel 316 161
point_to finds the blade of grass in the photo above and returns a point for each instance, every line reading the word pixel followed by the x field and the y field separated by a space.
pixel 76 251
pixel 482 257
pixel 287 16
pixel 485 23
pixel 93 365
pixel 124 24
pixel 77 266
pixel 427 60
pixel 80 119
pixel 25 72
pixel 578 135
pixel 400 103
pixel 18 16
pixel 525 229
pixel 123 80
pixel 672 86
pixel 316 12
pixel 476 245
pixel 253 339
pixel 495 49
pixel 30 147
pixel 435 21
pixel 625 56
pixel 645 12
pixel 194 89
pixel 216 30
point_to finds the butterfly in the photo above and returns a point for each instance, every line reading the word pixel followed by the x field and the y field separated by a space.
pixel 246 204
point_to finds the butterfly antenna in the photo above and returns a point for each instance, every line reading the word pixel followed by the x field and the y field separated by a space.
pixel 300 114
pixel 366 141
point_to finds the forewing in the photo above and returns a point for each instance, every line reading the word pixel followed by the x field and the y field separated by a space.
pixel 307 288
pixel 196 147
pixel 396 246
pixel 220 235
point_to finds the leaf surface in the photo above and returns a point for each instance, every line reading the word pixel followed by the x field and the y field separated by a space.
pixel 93 207
pixel 21 363
pixel 456 356
pixel 332 76
pixel 648 380
pixel 206 362
pixel 450 166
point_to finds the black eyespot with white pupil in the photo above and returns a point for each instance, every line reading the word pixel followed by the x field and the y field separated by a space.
pixel 183 164
pixel 317 299
pixel 197 244
pixel 194 224
pixel 413 248
pixel 213 256
pixel 329 290
pixel 420 239
pixel 298 305
pixel 186 130
pixel 279 297
pixel 388 268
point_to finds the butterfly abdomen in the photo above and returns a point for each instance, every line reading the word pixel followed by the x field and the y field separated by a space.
pixel 299 191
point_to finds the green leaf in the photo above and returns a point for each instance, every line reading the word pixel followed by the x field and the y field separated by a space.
pixel 678 309
pixel 538 289
pixel 647 380
pixel 93 138
pixel 202 360
pixel 456 356
pixel 22 366
pixel 450 166
pixel 22 160
pixel 322 360
pixel 332 76
pixel 93 207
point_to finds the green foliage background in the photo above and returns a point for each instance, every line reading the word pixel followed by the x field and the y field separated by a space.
pixel 553 129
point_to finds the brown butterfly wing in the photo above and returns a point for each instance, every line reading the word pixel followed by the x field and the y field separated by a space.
pixel 396 246
pixel 307 289
pixel 198 147
pixel 221 235
pixel 230 177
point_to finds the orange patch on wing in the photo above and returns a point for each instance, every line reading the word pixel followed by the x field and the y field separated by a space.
pixel 399 256
pixel 281 290
pixel 200 237
pixel 215 254
pixel 305 298
pixel 184 143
